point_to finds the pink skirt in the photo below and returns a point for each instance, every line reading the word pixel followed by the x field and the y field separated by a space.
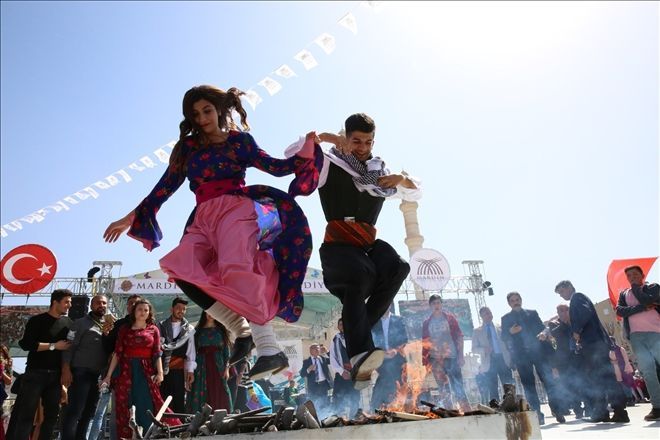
pixel 219 254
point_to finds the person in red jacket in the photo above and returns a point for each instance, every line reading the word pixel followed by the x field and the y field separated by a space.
pixel 442 350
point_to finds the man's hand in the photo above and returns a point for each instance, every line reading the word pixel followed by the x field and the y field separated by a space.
pixel 390 181
pixel 576 336
pixel 346 375
pixel 190 378
pixel 62 345
pixel 107 327
pixel 516 328
pixel 311 368
pixel 338 140
pixel 389 354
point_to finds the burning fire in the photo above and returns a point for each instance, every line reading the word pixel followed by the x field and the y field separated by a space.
pixel 413 378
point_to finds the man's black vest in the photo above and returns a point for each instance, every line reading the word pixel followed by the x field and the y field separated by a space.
pixel 340 198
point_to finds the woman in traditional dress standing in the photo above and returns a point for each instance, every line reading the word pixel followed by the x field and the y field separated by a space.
pixel 138 356
pixel 210 384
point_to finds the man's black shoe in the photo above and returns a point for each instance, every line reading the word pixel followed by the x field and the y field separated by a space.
pixel 653 415
pixel 363 368
pixel 267 365
pixel 560 418
pixel 242 347
pixel 620 417
pixel 602 418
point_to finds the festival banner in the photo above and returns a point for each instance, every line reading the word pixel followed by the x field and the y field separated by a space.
pixel 415 312
pixel 293 349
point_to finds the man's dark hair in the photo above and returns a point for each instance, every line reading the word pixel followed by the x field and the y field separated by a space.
pixel 59 294
pixel 631 268
pixel 510 294
pixel 483 309
pixel 435 297
pixel 179 300
pixel 359 122
pixel 563 285
pixel 340 320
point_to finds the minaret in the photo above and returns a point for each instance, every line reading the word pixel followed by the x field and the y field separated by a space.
pixel 414 240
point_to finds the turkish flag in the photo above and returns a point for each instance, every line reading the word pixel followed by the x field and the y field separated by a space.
pixel 616 277
pixel 27 268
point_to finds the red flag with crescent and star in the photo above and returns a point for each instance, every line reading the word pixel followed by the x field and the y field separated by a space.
pixel 27 269
pixel 616 277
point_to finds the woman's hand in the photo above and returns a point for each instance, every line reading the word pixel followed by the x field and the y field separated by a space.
pixel 117 228
pixel 157 378
pixel 307 150
pixel 106 380
pixel 311 136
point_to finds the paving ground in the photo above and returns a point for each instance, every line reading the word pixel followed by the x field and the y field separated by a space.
pixel 583 430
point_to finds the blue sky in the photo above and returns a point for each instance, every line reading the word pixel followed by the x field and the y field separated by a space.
pixel 534 126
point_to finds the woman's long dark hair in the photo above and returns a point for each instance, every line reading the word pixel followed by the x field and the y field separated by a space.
pixel 203 319
pixel 224 103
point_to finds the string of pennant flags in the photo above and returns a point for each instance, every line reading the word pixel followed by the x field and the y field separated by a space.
pixel 160 155
pixel 326 42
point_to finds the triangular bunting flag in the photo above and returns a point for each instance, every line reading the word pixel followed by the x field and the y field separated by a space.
pixel 307 59
pixel 326 42
pixel 270 85
pixel 285 72
pixel 348 21
pixel 252 98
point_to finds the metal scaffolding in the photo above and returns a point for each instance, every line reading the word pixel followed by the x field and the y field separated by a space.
pixel 471 283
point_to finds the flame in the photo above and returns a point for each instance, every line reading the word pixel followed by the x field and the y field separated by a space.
pixel 413 377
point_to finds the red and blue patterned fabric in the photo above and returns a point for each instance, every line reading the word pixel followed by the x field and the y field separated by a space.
pixel 291 246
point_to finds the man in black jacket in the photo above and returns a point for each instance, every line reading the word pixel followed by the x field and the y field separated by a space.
pixel 567 362
pixel 82 366
pixel 593 343
pixel 522 330
pixel 45 338
pixel 316 369
pixel 343 394
pixel 389 333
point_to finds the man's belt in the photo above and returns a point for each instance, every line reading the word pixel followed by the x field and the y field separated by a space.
pixel 350 232
pixel 176 363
